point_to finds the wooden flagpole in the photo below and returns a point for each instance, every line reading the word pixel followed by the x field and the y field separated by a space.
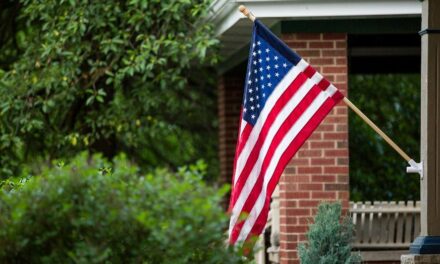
pixel 402 153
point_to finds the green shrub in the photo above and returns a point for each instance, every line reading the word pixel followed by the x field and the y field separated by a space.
pixel 329 238
pixel 91 211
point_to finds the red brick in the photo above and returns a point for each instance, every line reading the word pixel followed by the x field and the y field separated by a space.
pixel 309 170
pixel 323 195
pixel 299 161
pixel 295 195
pixel 336 152
pixel 339 169
pixel 309 203
pixel 343 178
pixel 326 127
pixel 323 161
pixel 297 178
pixel 336 187
pixel 334 53
pixel 288 203
pixel 341 45
pixel 310 153
pixel 321 44
pixel 338 135
pixel 334 69
pixel 322 61
pixel 310 187
pixel 288 220
pixel 294 212
pixel 296 228
pixel 322 144
pixel 323 178
pixel 342 161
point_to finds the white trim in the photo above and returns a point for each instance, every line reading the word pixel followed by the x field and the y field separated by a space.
pixel 225 14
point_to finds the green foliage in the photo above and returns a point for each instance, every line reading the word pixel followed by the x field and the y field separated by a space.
pixel 329 238
pixel 93 211
pixel 377 172
pixel 107 76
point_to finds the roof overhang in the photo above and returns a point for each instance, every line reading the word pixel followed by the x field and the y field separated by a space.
pixel 234 30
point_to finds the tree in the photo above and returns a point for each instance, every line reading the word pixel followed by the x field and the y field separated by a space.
pixel 329 238
pixel 377 172
pixel 107 76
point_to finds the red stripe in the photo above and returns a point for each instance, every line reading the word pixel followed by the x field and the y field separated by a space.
pixel 283 130
pixel 255 152
pixel 243 138
pixel 286 157
pixel 309 71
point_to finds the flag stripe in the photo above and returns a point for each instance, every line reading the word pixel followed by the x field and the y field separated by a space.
pixel 279 90
pixel 299 88
pixel 298 133
pixel 255 183
pixel 292 149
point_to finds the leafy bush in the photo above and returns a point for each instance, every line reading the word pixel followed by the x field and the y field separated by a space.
pixel 106 76
pixel 91 211
pixel 329 238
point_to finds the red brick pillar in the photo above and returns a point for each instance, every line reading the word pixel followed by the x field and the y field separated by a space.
pixel 230 94
pixel 319 171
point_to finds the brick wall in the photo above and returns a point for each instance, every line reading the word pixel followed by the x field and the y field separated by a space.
pixel 319 171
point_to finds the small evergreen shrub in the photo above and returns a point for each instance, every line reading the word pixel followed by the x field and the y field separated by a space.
pixel 329 238
pixel 91 211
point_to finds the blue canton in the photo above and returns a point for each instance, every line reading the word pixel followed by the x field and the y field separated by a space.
pixel 266 69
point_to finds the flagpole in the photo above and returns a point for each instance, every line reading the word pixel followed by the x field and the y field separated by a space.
pixel 415 167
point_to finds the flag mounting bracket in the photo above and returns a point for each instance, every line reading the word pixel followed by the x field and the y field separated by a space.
pixel 415 167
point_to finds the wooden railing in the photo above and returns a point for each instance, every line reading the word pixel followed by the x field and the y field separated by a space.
pixel 383 230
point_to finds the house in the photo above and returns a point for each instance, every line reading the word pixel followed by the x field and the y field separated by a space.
pixel 338 37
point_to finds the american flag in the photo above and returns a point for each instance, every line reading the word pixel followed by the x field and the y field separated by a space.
pixel 285 99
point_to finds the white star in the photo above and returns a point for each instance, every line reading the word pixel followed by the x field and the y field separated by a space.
pixel 250 90
pixel 261 69
pixel 255 62
pixel 268 67
pixel 258 105
pixel 268 76
pixel 277 74
pixel 262 86
pixel 253 45
pixel 267 50
pixel 256 88
pixel 252 108
pixel 267 59
pixel 254 54
pixel 251 99
pixel 255 71
pixel 258 97
pixel 284 65
pixel 276 57
pixel 276 66
pixel 244 110
pixel 264 95
pixel 260 60
pixel 262 77
pixel 259 51
pixel 250 82
pixel 258 43
pixel 253 116
pixel 269 84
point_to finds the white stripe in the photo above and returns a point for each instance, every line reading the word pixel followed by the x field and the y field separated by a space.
pixel 273 98
pixel 279 120
pixel 289 137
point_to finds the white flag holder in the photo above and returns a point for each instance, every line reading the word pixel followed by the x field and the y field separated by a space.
pixel 413 167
